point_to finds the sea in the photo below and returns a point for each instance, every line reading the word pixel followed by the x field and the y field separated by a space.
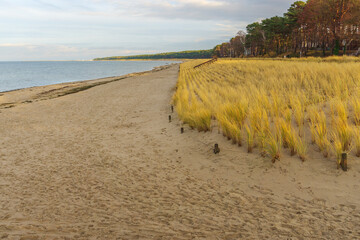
pixel 17 75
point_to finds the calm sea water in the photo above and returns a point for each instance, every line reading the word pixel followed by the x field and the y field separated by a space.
pixel 15 75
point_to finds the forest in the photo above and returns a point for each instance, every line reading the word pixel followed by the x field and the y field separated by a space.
pixel 312 28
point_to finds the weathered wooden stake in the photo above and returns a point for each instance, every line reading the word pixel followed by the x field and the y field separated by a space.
pixel 343 162
pixel 169 118
pixel 216 148
pixel 182 130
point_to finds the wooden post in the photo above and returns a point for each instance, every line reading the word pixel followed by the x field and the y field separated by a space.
pixel 216 148
pixel 172 108
pixel 169 118
pixel 182 130
pixel 343 162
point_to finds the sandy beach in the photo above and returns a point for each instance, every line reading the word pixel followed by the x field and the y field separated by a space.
pixel 105 163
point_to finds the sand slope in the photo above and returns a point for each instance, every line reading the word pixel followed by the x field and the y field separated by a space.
pixel 105 163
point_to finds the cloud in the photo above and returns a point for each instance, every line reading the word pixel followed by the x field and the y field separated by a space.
pixel 85 29
pixel 203 3
pixel 229 10
pixel 13 45
pixel 230 27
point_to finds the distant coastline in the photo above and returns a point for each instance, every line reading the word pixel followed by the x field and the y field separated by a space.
pixel 144 59
pixel 198 54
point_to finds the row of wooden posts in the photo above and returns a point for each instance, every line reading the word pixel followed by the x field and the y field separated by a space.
pixel 172 111
pixel 343 162
pixel 207 62
pixel 216 146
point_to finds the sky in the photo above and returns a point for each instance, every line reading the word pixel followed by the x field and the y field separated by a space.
pixel 86 29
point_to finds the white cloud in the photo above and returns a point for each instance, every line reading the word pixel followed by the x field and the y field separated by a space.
pixel 13 45
pixel 230 10
pixel 203 3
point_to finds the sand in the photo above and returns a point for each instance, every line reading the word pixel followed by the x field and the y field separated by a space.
pixel 105 163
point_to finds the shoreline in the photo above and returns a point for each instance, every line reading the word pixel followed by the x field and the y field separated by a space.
pixel 15 97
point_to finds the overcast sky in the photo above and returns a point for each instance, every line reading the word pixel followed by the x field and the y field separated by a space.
pixel 85 29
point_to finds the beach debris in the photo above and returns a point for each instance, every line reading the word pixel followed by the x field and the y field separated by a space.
pixel 216 148
pixel 169 118
pixel 182 130
pixel 343 162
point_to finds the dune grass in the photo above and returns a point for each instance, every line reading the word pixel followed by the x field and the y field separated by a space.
pixel 249 98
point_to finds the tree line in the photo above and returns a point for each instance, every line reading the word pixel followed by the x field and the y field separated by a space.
pixel 169 55
pixel 312 28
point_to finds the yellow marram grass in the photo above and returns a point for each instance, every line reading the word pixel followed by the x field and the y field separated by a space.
pixel 356 108
pixel 248 97
pixel 318 130
pixel 356 134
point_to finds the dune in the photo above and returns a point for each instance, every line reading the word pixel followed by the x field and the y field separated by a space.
pixel 104 162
